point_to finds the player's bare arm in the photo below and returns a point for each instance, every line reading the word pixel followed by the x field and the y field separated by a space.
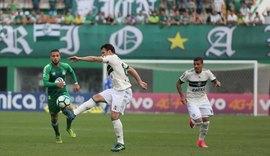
pixel 74 77
pixel 134 73
pixel 86 58
pixel 180 91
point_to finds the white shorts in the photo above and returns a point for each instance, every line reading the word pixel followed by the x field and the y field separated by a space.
pixel 199 109
pixel 117 99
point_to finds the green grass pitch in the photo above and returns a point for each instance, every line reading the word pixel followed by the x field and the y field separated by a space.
pixel 30 134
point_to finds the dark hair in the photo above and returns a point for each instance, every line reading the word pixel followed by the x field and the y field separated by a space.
pixel 55 50
pixel 108 46
pixel 198 59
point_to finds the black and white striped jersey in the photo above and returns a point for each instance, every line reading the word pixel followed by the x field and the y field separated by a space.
pixel 197 82
pixel 117 70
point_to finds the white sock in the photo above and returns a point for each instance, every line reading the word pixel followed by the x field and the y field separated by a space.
pixel 85 106
pixel 204 130
pixel 118 130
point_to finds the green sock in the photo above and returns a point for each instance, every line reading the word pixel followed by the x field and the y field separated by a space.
pixel 69 124
pixel 56 128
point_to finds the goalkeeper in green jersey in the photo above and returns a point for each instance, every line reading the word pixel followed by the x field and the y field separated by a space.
pixel 52 73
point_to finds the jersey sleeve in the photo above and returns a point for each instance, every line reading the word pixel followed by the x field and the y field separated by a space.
pixel 184 77
pixel 211 75
pixel 72 73
pixel 46 77
pixel 125 66
pixel 106 59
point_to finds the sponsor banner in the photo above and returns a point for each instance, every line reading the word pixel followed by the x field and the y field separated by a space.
pixel 232 103
pixel 10 101
pixel 221 103
pixel 156 102
pixel 142 102
pixel 14 101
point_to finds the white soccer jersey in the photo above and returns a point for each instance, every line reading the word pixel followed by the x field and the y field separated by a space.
pixel 117 70
pixel 196 83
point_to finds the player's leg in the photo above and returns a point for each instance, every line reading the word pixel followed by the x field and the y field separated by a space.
pixel 114 98
pixel 71 114
pixel 101 97
pixel 68 111
pixel 69 130
pixel 85 106
pixel 105 107
pixel 54 110
pixel 195 118
pixel 55 125
pixel 119 102
pixel 203 131
pixel 118 130
pixel 206 112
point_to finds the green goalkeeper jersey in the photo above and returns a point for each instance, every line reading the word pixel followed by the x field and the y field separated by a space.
pixel 51 73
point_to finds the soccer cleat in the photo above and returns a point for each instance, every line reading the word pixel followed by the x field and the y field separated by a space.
pixel 201 143
pixel 71 133
pixel 58 139
pixel 191 124
pixel 118 147
pixel 69 113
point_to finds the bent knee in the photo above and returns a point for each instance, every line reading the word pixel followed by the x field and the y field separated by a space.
pixel 115 115
pixel 98 98
pixel 198 122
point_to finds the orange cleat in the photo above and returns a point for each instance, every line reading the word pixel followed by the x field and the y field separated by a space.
pixel 191 124
pixel 201 143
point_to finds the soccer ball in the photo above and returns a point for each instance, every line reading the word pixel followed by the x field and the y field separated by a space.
pixel 60 79
pixel 63 101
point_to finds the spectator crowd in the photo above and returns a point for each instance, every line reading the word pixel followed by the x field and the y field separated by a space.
pixel 169 12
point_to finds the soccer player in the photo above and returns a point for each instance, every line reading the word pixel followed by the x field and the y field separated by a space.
pixel 118 96
pixel 198 105
pixel 51 73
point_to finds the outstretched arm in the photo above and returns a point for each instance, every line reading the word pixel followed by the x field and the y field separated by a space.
pixel 134 73
pixel 86 58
